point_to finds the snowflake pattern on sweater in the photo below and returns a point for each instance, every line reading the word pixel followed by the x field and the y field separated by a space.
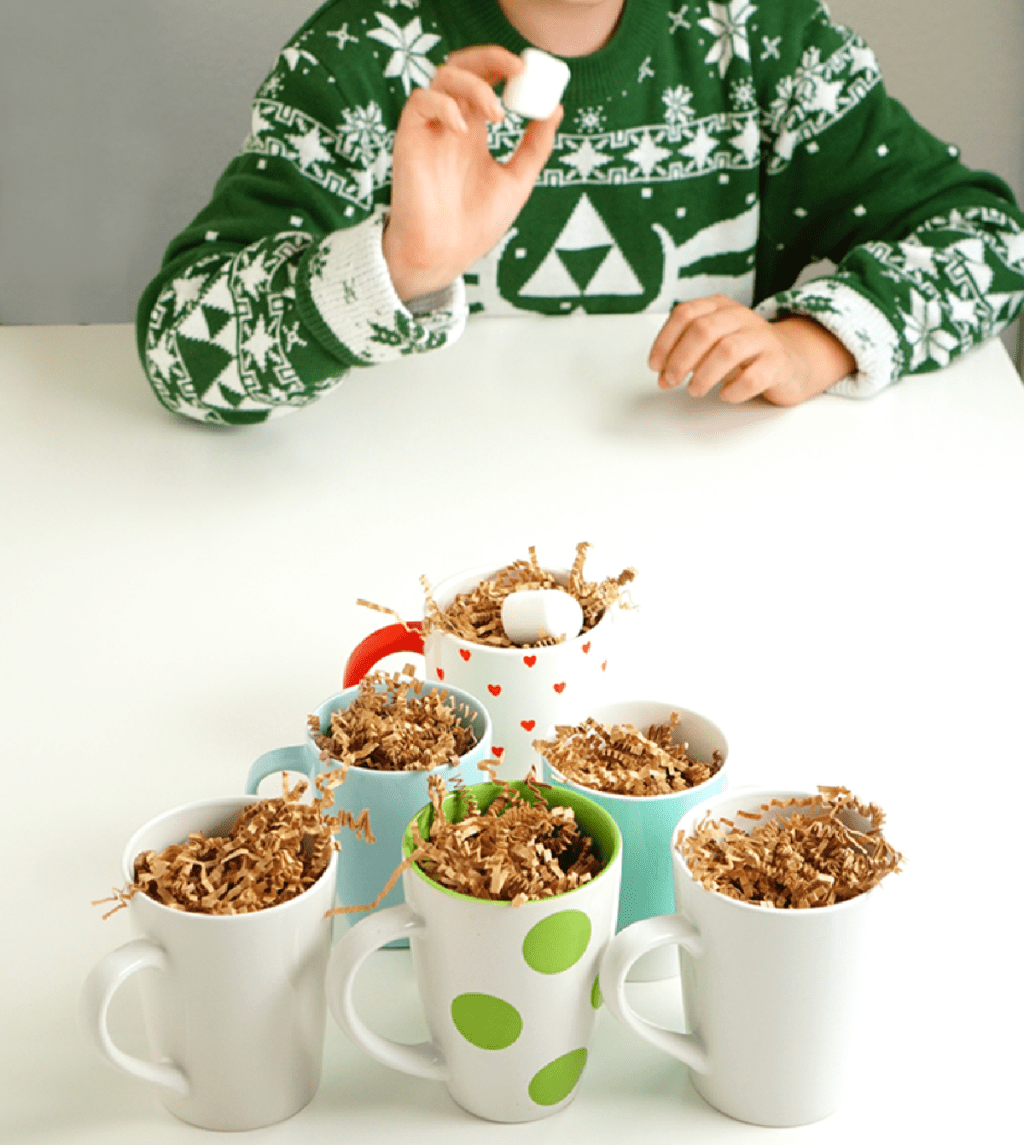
pixel 708 148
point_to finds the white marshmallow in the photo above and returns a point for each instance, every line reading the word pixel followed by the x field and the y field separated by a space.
pixel 532 613
pixel 535 92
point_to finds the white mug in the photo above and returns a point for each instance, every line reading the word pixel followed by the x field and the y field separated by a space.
pixel 771 995
pixel 525 690
pixel 509 993
pixel 235 1011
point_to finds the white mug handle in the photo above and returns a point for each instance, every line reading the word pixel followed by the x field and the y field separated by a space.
pixel 354 947
pixel 623 950
pixel 100 987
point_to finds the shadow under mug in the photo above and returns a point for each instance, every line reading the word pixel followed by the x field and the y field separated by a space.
pixel 234 1005
pixel 525 689
pixel 648 823
pixel 771 995
pixel 391 797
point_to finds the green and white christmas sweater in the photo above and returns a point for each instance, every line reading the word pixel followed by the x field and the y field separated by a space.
pixel 707 148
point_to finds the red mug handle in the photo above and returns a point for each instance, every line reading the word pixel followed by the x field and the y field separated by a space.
pixel 392 638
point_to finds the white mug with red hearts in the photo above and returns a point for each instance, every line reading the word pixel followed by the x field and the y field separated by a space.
pixel 525 690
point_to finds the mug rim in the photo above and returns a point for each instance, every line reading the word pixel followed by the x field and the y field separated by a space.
pixel 519 785
pixel 480 573
pixel 227 802
pixel 618 795
pixel 665 795
pixel 476 707
pixel 762 795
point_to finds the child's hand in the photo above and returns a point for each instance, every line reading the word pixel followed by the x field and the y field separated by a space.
pixel 717 339
pixel 451 201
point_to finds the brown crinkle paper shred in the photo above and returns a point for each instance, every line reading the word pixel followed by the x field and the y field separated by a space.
pixel 277 849
pixel 475 616
pixel 512 852
pixel 392 726
pixel 621 760
pixel 827 851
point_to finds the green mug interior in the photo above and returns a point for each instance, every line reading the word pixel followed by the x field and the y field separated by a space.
pixel 593 820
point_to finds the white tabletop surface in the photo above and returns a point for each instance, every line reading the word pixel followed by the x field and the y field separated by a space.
pixel 838 586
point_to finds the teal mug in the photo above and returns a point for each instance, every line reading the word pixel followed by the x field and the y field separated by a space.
pixel 391 797
pixel 647 822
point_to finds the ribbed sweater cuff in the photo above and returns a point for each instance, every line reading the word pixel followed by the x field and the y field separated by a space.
pixel 350 287
pixel 861 327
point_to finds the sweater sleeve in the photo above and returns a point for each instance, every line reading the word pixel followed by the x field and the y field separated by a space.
pixel 929 255
pixel 279 285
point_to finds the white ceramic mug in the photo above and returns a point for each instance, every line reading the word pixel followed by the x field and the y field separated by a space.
pixel 235 1011
pixel 509 993
pixel 771 995
pixel 525 690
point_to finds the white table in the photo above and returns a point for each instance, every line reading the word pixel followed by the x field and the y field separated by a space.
pixel 838 586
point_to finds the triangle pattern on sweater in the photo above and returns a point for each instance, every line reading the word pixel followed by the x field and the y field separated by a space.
pixel 584 259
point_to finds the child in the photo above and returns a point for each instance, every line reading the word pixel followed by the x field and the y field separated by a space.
pixel 703 155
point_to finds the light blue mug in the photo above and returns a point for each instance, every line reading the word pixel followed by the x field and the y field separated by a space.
pixel 392 797
pixel 647 822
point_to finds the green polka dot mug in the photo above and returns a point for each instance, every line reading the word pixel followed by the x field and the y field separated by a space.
pixel 509 994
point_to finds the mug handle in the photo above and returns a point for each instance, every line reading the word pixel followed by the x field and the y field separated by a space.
pixel 295 758
pixel 352 950
pixel 391 638
pixel 623 950
pixel 109 974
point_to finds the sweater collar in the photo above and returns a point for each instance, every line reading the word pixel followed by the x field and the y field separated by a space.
pixel 614 65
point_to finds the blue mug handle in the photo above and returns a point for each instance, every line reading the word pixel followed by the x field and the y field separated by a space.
pixel 294 758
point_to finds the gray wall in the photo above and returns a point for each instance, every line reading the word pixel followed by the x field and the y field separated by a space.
pixel 116 116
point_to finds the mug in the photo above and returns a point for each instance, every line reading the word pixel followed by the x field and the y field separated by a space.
pixel 771 995
pixel 235 1013
pixel 525 689
pixel 510 994
pixel 391 797
pixel 648 823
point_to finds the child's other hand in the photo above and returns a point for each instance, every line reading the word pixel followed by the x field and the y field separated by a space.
pixel 716 339
pixel 451 201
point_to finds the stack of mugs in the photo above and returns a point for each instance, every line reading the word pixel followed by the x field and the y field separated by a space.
pixel 236 1013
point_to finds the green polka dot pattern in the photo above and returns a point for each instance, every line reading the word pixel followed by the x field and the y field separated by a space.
pixel 595 994
pixel 557 1079
pixel 557 942
pixel 485 1021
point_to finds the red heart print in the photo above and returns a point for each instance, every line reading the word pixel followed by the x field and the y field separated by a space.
pixel 529 661
pixel 559 688
pixel 494 689
pixel 498 751
pixel 440 673
pixel 528 725
pixel 604 666
pixel 465 653
pixel 586 647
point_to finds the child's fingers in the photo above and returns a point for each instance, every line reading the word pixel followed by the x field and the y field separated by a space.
pixel 758 376
pixel 431 107
pixel 534 148
pixel 489 61
pixel 727 356
pixel 683 313
pixel 461 84
pixel 700 335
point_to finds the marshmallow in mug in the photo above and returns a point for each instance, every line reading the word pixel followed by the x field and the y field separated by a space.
pixel 531 614
pixel 535 92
